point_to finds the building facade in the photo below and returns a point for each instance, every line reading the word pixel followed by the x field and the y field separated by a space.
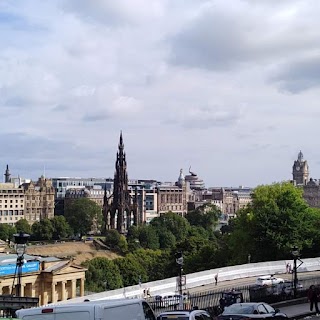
pixel 300 170
pixel 12 203
pixel 39 200
pixel 49 279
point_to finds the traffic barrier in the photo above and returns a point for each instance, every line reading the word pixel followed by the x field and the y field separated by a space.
pixel 169 285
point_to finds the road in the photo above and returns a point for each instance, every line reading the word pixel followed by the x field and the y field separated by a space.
pixel 248 281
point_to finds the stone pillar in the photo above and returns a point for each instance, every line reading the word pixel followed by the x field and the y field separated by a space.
pixel 63 290
pixel 53 292
pixel 33 290
pixel 81 287
pixel 73 288
pixel 22 290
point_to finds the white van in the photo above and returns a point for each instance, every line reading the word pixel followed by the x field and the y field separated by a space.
pixel 118 309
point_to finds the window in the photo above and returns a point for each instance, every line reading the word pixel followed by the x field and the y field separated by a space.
pixel 261 309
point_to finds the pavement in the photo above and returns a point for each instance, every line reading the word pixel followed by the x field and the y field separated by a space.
pixel 298 311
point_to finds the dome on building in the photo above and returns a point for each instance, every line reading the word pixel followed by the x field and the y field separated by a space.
pixel 181 179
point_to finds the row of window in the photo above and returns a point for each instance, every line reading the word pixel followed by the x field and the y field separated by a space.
pixel 10 201
pixel 9 218
pixel 11 212
pixel 11 196
pixel 11 191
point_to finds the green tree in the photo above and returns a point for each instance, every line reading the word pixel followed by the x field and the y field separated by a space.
pixel 6 231
pixel 148 237
pixel 61 228
pixel 170 221
pixel 123 244
pixel 83 215
pixel 131 270
pixel 133 238
pixel 166 239
pixel 102 275
pixel 277 219
pixel 42 230
pixel 112 238
pixel 154 262
pixel 23 226
pixel 205 216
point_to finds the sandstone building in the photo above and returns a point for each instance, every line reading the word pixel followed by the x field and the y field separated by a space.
pixel 49 279
pixel 300 170
pixel 12 203
pixel 39 200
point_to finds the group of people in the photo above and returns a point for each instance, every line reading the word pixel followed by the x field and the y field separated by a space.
pixel 288 268
pixel 146 293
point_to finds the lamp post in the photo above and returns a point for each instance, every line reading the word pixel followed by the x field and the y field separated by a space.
pixel 296 254
pixel 21 240
pixel 179 261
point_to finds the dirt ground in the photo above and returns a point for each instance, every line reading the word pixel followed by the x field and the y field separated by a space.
pixel 79 251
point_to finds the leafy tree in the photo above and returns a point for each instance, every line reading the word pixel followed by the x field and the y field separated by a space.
pixel 123 244
pixel 6 231
pixel 133 233
pixel 112 238
pixel 166 239
pixel 23 226
pixel 61 228
pixel 42 230
pixel 133 238
pixel 170 221
pixel 205 216
pixel 154 262
pixel 277 219
pixel 131 270
pixel 148 237
pixel 83 215
pixel 102 274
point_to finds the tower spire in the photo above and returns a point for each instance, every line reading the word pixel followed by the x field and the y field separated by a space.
pixel 122 207
pixel 7 175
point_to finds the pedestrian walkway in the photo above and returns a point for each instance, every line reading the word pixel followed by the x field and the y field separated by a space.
pixel 297 311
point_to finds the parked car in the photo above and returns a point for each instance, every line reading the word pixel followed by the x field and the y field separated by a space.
pixel 268 280
pixel 250 310
pixel 169 300
pixel 185 315
pixel 230 297
pixel 285 288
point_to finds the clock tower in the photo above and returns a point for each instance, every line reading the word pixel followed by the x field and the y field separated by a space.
pixel 300 170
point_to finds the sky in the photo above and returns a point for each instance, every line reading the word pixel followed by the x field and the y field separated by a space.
pixel 228 87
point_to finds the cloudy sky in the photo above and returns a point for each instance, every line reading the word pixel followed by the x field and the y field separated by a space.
pixel 228 87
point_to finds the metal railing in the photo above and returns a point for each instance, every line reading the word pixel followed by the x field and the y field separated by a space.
pixel 211 300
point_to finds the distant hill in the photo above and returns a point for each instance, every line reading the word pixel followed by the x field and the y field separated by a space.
pixel 78 250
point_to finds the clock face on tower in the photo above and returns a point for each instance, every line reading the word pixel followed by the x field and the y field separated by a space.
pixel 297 168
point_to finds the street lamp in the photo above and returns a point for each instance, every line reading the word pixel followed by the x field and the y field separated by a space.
pixel 21 240
pixel 179 261
pixel 296 255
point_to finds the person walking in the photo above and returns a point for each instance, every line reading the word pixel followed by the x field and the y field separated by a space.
pixel 216 279
pixel 313 298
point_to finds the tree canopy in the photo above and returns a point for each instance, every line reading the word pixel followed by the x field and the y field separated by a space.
pixel 205 216
pixel 83 215
pixel 277 219
pixel 102 274
pixel 22 225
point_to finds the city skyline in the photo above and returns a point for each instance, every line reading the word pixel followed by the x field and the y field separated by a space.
pixel 227 87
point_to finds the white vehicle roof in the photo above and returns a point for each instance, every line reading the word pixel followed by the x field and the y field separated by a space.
pixel 79 305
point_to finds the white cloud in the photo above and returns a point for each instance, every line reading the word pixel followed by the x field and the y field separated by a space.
pixel 229 87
